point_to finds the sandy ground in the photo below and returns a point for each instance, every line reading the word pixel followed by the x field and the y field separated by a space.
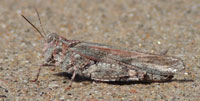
pixel 144 25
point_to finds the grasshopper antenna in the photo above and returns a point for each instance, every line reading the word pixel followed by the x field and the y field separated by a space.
pixel 33 26
pixel 40 21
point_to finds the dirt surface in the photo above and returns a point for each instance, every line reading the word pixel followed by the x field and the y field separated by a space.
pixel 144 25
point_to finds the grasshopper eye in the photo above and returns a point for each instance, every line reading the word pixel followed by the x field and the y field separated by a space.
pixel 51 37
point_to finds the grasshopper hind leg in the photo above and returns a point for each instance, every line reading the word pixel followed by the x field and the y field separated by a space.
pixel 110 72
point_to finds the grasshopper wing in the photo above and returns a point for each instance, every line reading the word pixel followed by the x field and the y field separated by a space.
pixel 151 64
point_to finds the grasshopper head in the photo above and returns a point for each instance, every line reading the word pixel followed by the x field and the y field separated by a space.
pixel 52 48
pixel 51 37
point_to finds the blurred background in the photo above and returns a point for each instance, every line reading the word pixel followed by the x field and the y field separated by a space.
pixel 143 25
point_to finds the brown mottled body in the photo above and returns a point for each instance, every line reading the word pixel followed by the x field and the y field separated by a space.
pixel 106 63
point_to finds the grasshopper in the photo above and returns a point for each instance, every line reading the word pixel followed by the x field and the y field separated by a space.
pixel 105 63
